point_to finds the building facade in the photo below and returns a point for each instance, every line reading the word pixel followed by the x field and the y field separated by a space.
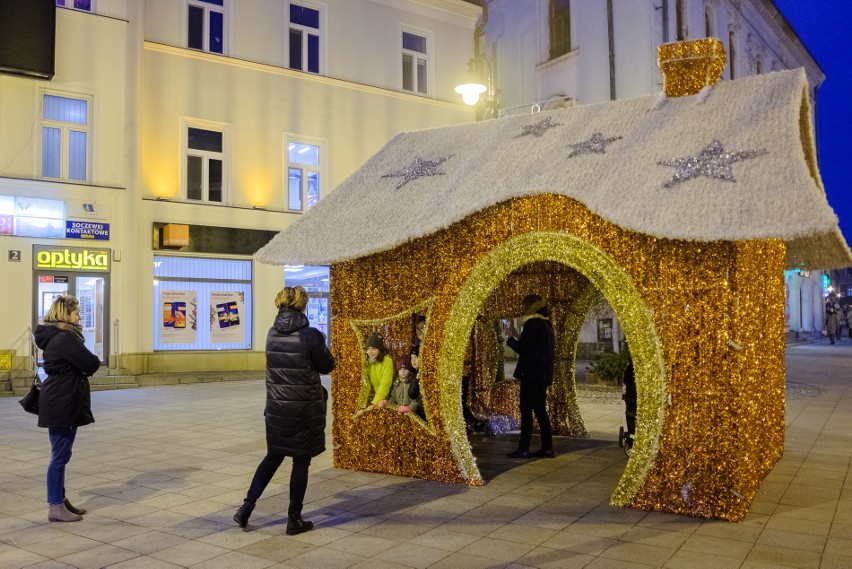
pixel 553 53
pixel 176 137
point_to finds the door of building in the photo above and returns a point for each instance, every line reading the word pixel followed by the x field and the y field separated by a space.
pixel 91 291
pixel 84 274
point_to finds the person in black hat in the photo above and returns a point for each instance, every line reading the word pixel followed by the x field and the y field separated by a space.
pixel 535 348
pixel 379 372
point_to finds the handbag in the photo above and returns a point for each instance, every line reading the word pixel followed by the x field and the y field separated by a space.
pixel 30 400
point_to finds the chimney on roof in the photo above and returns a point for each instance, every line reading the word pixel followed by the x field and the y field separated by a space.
pixel 689 66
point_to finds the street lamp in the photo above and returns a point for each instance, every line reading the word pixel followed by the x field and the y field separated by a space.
pixel 476 87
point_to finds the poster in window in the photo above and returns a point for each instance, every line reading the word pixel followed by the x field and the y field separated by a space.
pixel 226 317
pixel 177 324
pixel 605 330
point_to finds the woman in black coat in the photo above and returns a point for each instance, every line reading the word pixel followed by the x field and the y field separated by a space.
pixel 296 355
pixel 65 401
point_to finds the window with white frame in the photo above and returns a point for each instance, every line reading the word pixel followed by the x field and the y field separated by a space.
pixel 204 163
pixel 304 169
pixel 85 5
pixel 200 281
pixel 305 37
pixel 65 138
pixel 415 62
pixel 205 28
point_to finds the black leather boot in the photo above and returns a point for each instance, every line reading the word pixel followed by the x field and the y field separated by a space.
pixel 544 453
pixel 296 525
pixel 242 515
pixel 520 453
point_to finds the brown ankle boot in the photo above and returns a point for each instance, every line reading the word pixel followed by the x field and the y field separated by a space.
pixel 59 513
pixel 72 509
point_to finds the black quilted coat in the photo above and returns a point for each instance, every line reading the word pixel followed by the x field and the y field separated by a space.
pixel 65 399
pixel 296 355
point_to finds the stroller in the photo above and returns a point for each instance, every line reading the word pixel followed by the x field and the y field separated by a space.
pixel 628 395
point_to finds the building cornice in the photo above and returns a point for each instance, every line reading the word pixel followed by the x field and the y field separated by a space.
pixel 451 8
pixel 297 75
pixel 789 39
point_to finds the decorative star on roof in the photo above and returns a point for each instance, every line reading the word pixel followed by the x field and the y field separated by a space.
pixel 597 143
pixel 417 169
pixel 538 128
pixel 712 162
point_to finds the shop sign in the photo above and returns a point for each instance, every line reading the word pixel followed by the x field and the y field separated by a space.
pixel 175 235
pixel 54 219
pixel 35 217
pixel 87 230
pixel 7 215
pixel 75 259
pixel 86 211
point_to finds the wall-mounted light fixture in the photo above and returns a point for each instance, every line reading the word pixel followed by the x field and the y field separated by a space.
pixel 480 85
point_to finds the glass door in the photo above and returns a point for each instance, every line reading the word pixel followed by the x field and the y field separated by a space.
pixel 49 289
pixel 315 281
pixel 90 290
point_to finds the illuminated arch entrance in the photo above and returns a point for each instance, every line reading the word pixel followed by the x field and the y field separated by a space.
pixel 604 273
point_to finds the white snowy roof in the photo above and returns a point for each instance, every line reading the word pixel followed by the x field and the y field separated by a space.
pixel 733 167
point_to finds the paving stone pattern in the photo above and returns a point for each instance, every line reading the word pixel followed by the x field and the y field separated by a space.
pixel 164 468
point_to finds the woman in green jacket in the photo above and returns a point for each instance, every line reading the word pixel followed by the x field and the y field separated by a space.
pixel 379 372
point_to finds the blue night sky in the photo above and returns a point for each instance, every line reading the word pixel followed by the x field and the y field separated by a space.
pixel 825 27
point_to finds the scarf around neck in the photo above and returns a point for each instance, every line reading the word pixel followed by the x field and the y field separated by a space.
pixel 75 329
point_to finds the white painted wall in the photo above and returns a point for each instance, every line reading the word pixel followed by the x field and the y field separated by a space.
pixel 362 41
pixel 130 58
pixel 519 30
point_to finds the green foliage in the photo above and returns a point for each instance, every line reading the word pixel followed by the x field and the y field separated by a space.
pixel 610 367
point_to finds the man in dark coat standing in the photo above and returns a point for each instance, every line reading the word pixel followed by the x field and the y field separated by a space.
pixel 296 355
pixel 535 349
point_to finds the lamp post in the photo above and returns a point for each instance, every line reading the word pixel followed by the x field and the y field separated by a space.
pixel 475 89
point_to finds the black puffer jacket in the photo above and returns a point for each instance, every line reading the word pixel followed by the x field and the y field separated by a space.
pixel 296 355
pixel 65 398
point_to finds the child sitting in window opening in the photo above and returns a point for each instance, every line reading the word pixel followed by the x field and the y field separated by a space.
pixel 400 393
pixel 379 371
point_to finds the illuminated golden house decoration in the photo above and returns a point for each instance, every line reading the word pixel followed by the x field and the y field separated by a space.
pixel 681 211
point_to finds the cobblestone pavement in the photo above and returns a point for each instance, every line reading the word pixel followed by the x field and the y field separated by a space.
pixel 163 470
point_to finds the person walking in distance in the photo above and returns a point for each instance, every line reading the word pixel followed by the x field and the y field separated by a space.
pixel 296 355
pixel 65 401
pixel 535 348
pixel 832 323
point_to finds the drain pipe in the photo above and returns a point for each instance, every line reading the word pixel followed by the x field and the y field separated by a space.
pixel 611 33
pixel 115 349
pixel 480 27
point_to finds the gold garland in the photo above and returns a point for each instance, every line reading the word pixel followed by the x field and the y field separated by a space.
pixel 710 417
pixel 569 331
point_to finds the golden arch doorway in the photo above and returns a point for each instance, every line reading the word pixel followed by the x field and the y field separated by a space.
pixel 604 275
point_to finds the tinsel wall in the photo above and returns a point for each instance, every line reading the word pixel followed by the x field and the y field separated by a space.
pixel 704 321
